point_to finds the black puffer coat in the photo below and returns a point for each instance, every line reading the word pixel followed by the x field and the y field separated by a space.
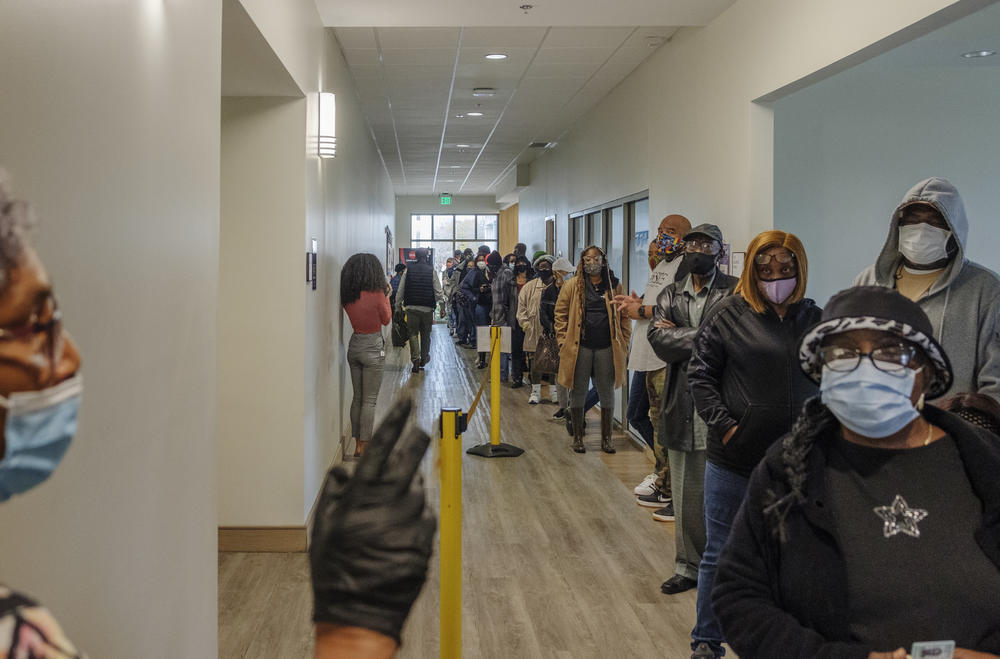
pixel 745 371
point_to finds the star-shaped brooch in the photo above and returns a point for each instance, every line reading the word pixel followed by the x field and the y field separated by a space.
pixel 900 518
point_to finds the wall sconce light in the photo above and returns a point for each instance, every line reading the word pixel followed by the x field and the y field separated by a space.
pixel 327 125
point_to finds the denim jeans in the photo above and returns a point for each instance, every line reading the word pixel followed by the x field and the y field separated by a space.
pixel 724 491
pixel 638 407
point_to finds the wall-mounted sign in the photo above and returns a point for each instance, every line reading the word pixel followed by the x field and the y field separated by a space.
pixel 445 199
pixel 311 264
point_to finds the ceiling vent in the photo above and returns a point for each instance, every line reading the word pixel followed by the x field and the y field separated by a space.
pixel 484 92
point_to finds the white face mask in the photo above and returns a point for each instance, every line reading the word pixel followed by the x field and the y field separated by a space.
pixel 923 244
pixel 481 265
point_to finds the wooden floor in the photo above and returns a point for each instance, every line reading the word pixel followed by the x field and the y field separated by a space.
pixel 559 561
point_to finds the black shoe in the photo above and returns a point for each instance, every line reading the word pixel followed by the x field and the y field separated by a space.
pixel 481 364
pixel 517 384
pixel 560 414
pixel 677 584
pixel 665 514
pixel 424 360
pixel 416 366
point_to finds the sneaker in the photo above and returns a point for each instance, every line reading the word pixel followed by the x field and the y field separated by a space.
pixel 517 384
pixel 560 414
pixel 655 500
pixel 704 651
pixel 553 395
pixel 646 486
pixel 534 398
pixel 664 514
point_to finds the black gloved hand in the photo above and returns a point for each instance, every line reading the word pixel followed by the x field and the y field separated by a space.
pixel 372 535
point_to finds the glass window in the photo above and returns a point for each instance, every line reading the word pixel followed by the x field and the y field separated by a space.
pixel 444 227
pixel 596 222
pixel 465 227
pixel 616 253
pixel 579 238
pixel 442 251
pixel 420 228
pixel 639 237
pixel 486 227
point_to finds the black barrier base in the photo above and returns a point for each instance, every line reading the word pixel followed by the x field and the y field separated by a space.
pixel 496 451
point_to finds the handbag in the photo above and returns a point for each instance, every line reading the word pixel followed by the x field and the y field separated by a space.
pixel 546 357
pixel 400 333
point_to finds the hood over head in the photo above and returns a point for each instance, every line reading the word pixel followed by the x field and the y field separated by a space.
pixel 943 196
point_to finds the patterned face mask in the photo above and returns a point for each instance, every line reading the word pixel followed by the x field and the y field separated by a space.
pixel 666 245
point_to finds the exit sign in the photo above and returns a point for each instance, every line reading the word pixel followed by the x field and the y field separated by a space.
pixel 446 200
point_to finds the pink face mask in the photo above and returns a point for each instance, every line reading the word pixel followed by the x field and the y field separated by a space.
pixel 778 290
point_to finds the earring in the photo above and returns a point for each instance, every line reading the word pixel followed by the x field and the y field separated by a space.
pixel 920 403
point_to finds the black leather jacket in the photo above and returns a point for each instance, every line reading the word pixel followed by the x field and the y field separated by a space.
pixel 790 599
pixel 745 371
pixel 674 346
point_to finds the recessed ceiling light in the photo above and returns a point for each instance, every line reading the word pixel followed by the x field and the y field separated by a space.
pixel 979 53
pixel 496 56
pixel 473 114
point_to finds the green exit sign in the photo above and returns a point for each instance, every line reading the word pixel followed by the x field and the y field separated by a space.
pixel 446 200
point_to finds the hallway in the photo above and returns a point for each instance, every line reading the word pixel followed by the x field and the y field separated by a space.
pixel 559 560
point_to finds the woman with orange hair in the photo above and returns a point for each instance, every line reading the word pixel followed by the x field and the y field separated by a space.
pixel 747 386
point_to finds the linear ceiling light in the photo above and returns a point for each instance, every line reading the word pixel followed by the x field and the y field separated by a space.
pixel 496 56
pixel 473 114
pixel 978 53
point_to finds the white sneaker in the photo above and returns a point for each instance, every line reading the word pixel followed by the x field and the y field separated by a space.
pixel 646 487
pixel 553 394
pixel 536 394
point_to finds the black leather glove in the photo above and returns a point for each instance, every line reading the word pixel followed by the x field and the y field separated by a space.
pixel 372 535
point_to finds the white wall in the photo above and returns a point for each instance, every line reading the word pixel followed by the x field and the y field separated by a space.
pixel 262 297
pixel 684 124
pixel 421 204
pixel 848 148
pixel 110 124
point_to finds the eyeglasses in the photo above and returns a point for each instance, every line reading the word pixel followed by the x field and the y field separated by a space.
pixel 783 258
pixel 46 320
pixel 704 246
pixel 890 359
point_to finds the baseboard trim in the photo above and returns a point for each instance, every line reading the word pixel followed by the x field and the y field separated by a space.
pixel 262 538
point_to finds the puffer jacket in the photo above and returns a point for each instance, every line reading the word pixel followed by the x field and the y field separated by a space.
pixel 963 304
pixel 673 345
pixel 745 372
pixel 569 317
pixel 529 306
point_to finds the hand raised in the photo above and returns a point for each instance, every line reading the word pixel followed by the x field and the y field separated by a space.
pixel 372 535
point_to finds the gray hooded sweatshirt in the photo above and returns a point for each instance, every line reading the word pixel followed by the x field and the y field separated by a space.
pixel 963 304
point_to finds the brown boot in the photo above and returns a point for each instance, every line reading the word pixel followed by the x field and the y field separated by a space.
pixel 607 444
pixel 576 416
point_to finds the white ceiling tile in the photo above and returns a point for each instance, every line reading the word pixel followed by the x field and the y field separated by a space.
pixel 355 37
pixel 502 37
pixel 586 37
pixel 442 57
pixel 566 70
pixel 418 37
pixel 573 55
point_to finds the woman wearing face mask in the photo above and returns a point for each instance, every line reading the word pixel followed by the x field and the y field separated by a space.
pixel 529 304
pixel 40 393
pixel 748 389
pixel 476 287
pixel 593 337
pixel 562 270
pixel 887 508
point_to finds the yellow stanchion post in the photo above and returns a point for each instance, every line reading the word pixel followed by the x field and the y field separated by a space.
pixel 452 426
pixel 496 448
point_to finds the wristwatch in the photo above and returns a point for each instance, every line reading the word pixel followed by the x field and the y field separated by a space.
pixel 642 311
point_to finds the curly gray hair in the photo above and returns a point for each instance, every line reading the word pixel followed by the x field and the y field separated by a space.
pixel 16 218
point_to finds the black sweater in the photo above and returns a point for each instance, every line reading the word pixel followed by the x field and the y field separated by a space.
pixel 789 599
pixel 745 371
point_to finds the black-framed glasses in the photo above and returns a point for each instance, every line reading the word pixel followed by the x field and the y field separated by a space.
pixel 47 320
pixel 708 246
pixel 894 358
pixel 783 258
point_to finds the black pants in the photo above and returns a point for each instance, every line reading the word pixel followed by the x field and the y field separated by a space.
pixel 517 353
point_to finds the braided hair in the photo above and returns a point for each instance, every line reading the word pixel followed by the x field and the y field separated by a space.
pixel 814 422
pixel 584 280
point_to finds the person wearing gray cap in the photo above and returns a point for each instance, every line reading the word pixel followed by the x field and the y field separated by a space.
pixel 873 526
pixel 680 309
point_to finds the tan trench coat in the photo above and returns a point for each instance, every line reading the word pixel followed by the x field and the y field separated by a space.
pixel 529 302
pixel 567 321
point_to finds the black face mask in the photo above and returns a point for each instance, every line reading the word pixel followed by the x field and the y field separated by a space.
pixel 520 268
pixel 545 275
pixel 494 269
pixel 698 263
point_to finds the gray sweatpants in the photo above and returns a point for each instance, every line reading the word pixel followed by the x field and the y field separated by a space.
pixel 599 366
pixel 366 358
pixel 419 323
pixel 687 474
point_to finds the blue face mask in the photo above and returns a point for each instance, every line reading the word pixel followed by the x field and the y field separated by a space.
pixel 869 401
pixel 39 427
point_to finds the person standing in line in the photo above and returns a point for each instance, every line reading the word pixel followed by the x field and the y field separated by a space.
pixel 680 310
pixel 523 274
pixel 365 298
pixel 394 283
pixel 463 304
pixel 447 287
pixel 593 341
pixel 748 390
pixel 529 303
pixel 562 269
pixel 924 259
pixel 419 293
pixel 501 276
pixel 476 287
pixel 648 369
pixel 520 250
